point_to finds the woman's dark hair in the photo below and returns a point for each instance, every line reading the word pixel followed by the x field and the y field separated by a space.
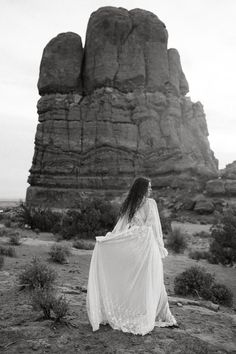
pixel 135 196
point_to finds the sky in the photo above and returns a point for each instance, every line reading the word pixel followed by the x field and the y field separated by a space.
pixel 203 31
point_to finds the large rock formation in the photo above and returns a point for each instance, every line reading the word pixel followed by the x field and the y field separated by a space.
pixel 114 110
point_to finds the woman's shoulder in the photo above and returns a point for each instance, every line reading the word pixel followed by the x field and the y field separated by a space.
pixel 151 201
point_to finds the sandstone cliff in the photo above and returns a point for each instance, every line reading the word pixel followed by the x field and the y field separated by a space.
pixel 115 109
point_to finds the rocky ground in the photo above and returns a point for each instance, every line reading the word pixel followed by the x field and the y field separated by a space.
pixel 203 328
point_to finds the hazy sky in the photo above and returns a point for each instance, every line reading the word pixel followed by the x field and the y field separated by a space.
pixel 203 31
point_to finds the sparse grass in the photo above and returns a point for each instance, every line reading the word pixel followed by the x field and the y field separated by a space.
pixel 15 239
pixel 7 251
pixel 37 275
pixel 176 240
pixel 83 244
pixel 59 253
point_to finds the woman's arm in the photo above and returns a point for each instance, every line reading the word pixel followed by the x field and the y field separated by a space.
pixel 153 220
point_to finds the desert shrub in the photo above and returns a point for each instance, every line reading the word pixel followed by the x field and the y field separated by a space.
pixel 223 245
pixel 92 217
pixel 44 299
pixel 176 240
pixel 219 294
pixel 165 220
pixel 7 223
pixel 202 234
pixel 60 307
pixel 193 281
pixel 42 219
pixel 198 255
pixel 15 239
pixel 83 244
pixel 197 281
pixel 1 261
pixel 3 231
pixel 7 251
pixel 59 253
pixel 41 300
pixel 37 275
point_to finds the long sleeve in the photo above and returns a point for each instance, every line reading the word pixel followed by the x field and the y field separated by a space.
pixel 153 220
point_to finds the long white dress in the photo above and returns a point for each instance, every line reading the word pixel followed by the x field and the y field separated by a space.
pixel 126 286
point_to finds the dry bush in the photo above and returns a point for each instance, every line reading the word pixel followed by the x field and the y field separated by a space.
pixel 7 223
pixel 3 232
pixel 60 307
pixel 176 240
pixel 59 253
pixel 7 251
pixel 15 239
pixel 92 217
pixel 42 219
pixel 37 275
pixel 1 261
pixel 219 294
pixel 83 244
pixel 223 245
pixel 197 281
pixel 197 255
pixel 193 281
pixel 202 234
pixel 44 299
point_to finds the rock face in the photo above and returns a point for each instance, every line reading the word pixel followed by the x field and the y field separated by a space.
pixel 225 185
pixel 114 110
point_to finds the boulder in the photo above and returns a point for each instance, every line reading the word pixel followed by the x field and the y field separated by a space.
pixel 204 206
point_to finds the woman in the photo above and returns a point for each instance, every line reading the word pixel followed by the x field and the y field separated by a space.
pixel 126 286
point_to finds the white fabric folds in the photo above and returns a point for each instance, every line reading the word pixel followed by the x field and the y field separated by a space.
pixel 126 286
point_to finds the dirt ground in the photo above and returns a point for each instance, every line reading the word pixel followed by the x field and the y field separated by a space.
pixel 201 330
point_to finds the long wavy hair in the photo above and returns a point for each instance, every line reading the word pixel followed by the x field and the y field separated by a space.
pixel 135 197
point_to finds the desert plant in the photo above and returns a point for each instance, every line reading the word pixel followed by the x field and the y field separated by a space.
pixel 223 245
pixel 42 219
pixel 59 253
pixel 60 307
pixel 92 217
pixel 198 255
pixel 7 251
pixel 44 299
pixel 202 234
pixel 37 275
pixel 41 300
pixel 83 244
pixel 176 240
pixel 1 261
pixel 15 238
pixel 3 231
pixel 7 223
pixel 193 281
pixel 219 294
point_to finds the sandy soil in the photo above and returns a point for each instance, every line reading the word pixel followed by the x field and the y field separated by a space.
pixel 23 331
